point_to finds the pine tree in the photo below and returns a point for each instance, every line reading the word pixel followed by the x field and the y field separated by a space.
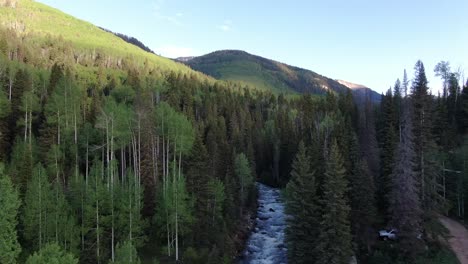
pixel 9 204
pixel 441 127
pixel 362 198
pixel 334 240
pixel 405 207
pixel 301 206
pixel 368 140
pixel 424 144
pixel 389 139
pixel 462 116
pixel 397 105
pixel 404 84
pixel 198 176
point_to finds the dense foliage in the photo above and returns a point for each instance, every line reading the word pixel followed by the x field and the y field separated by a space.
pixel 124 157
pixel 107 156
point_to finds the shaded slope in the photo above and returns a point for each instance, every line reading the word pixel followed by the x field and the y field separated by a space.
pixel 361 92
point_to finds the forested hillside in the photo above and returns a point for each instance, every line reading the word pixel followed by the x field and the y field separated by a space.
pixel 45 35
pixel 115 155
pixel 103 159
pixel 261 73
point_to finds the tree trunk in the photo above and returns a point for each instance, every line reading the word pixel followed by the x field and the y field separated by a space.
pixel 26 122
pixel 10 86
pixel 112 188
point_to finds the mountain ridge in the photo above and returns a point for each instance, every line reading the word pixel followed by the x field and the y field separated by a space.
pixel 351 85
pixel 63 38
pixel 263 73
pixel 361 92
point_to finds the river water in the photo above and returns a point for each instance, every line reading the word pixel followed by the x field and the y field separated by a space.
pixel 266 243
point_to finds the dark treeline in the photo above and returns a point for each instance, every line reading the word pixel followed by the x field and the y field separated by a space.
pixel 130 40
pixel 113 161
pixel 396 165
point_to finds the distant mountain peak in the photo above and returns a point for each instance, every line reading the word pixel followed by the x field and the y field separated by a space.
pixel 185 59
pixel 361 92
pixel 230 51
pixel 351 85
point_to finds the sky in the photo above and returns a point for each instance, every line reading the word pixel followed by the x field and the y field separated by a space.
pixel 369 42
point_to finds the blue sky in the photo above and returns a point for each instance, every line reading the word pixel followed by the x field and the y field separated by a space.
pixel 363 41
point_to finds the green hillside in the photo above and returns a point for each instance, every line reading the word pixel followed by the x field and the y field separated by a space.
pixel 40 26
pixel 233 65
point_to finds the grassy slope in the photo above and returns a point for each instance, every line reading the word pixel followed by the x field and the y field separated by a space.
pixel 262 73
pixel 41 21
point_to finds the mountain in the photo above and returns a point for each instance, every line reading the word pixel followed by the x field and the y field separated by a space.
pixel 185 59
pixel 47 36
pixel 360 91
pixel 43 35
pixel 262 73
pixel 351 85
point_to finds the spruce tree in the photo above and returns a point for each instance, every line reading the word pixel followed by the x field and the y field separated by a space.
pixel 9 204
pixel 405 207
pixel 362 199
pixel 424 144
pixel 397 105
pixel 198 176
pixel 301 206
pixel 334 240
pixel 462 116
pixel 388 142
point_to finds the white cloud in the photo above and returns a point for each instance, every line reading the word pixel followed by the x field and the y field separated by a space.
pixel 157 7
pixel 225 26
pixel 175 51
